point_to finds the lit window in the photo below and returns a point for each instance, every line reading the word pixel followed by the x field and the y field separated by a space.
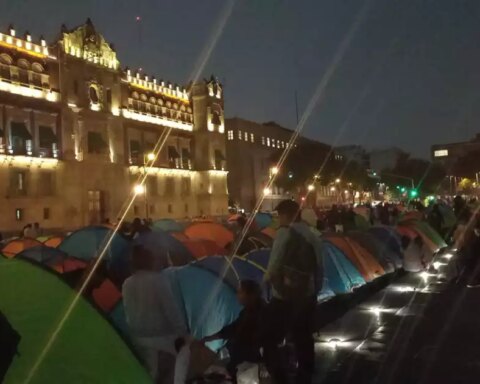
pixel 441 153
pixel 252 138
pixel 273 143
pixel 239 135
pixel 230 135
pixel 19 214
pixel 268 141
pixel 263 140
pixel 246 136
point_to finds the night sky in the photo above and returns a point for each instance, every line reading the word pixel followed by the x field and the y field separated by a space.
pixel 410 76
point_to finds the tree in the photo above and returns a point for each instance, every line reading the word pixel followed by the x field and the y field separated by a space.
pixel 467 165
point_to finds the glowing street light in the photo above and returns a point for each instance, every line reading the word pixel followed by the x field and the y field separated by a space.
pixel 151 156
pixel 139 189
pixel 267 191
pixel 332 189
pixel 337 181
pixel 311 187
pixel 274 170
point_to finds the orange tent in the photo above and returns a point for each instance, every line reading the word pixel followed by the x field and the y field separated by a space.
pixel 200 248
pixel 53 241
pixel 363 260
pixel 210 231
pixel 15 246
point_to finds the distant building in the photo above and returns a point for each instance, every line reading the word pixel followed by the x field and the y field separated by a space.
pixel 387 158
pixel 448 154
pixel 77 133
pixel 354 153
pixel 250 148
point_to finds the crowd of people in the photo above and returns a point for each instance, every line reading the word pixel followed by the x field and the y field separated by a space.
pixel 275 333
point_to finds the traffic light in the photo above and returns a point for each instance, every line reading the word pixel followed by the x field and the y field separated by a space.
pixel 402 189
pixel 413 193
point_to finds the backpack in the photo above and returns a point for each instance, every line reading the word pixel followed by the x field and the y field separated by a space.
pixel 298 275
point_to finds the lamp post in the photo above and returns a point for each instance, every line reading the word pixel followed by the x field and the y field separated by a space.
pixel 140 189
pixel 268 191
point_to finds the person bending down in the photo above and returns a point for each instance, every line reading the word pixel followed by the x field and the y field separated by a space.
pixel 242 336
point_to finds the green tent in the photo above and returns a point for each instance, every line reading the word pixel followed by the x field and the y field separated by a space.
pixel 87 349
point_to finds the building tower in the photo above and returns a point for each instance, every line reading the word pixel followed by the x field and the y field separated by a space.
pixel 209 146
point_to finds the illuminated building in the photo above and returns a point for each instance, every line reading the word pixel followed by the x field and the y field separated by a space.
pixel 77 132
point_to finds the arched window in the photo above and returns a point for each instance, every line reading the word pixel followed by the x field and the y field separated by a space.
pixel 182 108
pixel 143 97
pixel 93 93
pixel 24 64
pixel 5 59
pixel 37 67
pixel 135 95
pixel 153 100
pixel 169 104
pixel 160 102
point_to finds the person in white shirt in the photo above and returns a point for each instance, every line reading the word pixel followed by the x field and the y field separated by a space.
pixel 153 317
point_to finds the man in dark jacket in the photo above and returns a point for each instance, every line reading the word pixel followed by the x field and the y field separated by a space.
pixel 242 336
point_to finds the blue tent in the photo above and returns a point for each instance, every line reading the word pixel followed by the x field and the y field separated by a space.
pixel 259 257
pixel 340 275
pixel 207 302
pixel 43 254
pixel 168 225
pixel 263 220
pixel 166 249
pixel 389 237
pixel 87 243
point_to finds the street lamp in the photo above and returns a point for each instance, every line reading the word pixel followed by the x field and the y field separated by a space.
pixel 151 156
pixel 274 170
pixel 267 191
pixel 337 181
pixel 311 187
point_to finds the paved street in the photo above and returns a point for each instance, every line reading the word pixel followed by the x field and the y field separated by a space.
pixel 401 335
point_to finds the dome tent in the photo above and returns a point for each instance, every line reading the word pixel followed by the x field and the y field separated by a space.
pixel 210 231
pixel 88 347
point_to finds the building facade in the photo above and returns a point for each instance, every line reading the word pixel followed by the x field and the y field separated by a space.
pixel 448 154
pixel 78 134
pixel 250 148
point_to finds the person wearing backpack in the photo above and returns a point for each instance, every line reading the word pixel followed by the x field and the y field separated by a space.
pixel 295 275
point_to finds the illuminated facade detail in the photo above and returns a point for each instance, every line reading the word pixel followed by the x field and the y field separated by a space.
pixel 85 43
pixel 24 46
pixel 28 161
pixel 158 88
pixel 147 118
pixel 23 90
pixel 134 169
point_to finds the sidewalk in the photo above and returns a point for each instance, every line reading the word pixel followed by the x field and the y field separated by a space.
pixel 430 335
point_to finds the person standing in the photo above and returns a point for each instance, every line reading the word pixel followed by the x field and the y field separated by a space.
pixel 154 319
pixel 295 277
pixel 28 231
pixel 243 335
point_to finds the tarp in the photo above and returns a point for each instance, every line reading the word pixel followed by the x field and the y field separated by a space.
pixel 168 225
pixel 166 249
pixel 87 243
pixel 87 349
pixel 210 231
pixel 207 301
pixel 365 263
pixel 201 248
pixel 15 246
